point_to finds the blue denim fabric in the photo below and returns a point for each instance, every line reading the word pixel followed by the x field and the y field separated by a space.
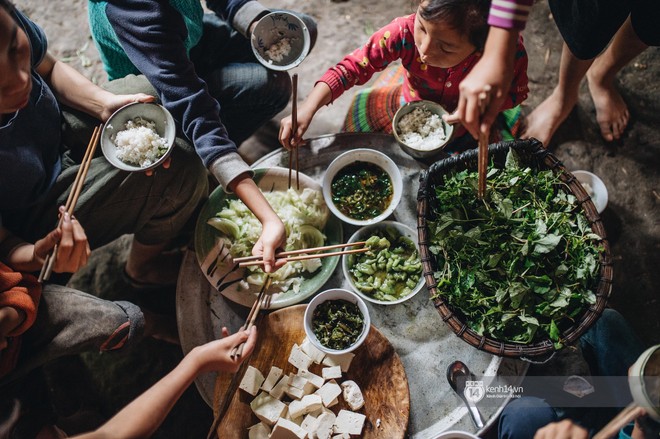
pixel 610 347
pixel 249 94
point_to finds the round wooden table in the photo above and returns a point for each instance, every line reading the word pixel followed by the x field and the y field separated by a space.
pixel 424 343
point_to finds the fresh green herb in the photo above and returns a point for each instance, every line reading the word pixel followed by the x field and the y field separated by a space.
pixel 521 264
pixel 390 269
pixel 337 324
pixel 362 190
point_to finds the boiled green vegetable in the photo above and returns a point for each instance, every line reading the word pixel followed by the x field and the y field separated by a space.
pixel 390 269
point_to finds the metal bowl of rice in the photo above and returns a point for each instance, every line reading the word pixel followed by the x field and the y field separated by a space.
pixel 419 129
pixel 280 40
pixel 138 137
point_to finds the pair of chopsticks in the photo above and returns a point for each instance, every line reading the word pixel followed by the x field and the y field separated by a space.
pixel 237 351
pixel 262 300
pixel 258 260
pixel 294 129
pixel 484 99
pixel 76 189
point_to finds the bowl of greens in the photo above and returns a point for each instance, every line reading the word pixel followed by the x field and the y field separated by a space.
pixel 390 272
pixel 362 186
pixel 337 321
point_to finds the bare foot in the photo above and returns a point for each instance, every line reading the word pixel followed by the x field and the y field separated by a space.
pixel 611 111
pixel 546 118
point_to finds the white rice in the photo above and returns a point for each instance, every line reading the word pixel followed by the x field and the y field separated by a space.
pixel 420 129
pixel 139 144
pixel 276 52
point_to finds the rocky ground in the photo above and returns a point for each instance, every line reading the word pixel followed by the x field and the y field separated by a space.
pixel 88 389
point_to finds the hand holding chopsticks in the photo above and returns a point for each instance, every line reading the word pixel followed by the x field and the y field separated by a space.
pixel 71 201
pixel 306 253
pixel 261 302
pixel 484 99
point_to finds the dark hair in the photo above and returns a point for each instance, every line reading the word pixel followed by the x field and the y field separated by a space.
pixel 469 17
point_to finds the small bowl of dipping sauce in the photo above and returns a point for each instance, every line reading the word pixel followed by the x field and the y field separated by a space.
pixel 337 321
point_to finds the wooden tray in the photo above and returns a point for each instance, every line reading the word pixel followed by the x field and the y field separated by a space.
pixel 376 368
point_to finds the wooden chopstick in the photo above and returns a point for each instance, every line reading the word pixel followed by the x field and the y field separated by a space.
pixel 313 256
pixel 72 199
pixel 237 351
pixel 302 250
pixel 482 160
pixel 294 129
pixel 633 411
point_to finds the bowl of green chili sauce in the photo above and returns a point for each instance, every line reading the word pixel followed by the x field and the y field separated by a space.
pixel 362 186
pixel 337 321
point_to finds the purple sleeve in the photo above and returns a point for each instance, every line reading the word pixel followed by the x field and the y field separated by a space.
pixel 509 14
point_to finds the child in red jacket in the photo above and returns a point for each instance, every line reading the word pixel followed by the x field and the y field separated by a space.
pixel 438 46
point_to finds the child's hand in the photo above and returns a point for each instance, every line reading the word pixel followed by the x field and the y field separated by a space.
pixel 273 238
pixel 287 137
pixel 214 356
pixel 73 250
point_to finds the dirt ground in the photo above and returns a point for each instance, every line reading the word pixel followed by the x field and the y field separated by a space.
pixel 86 390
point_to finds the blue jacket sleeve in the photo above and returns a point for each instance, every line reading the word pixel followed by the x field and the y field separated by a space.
pixel 153 33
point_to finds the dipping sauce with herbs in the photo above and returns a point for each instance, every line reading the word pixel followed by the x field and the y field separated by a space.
pixel 362 190
pixel 337 324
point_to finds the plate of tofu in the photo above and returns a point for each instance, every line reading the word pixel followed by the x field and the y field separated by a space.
pixel 293 390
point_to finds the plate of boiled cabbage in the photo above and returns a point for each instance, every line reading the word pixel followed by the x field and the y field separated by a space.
pixel 227 229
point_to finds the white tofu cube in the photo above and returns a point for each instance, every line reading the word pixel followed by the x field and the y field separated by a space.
pixel 297 381
pixel 333 403
pixel 278 389
pixel 342 360
pixel 259 431
pixel 331 373
pixel 307 423
pixel 267 408
pixel 352 394
pixel 251 381
pixel 324 425
pixel 312 351
pixel 329 392
pixel 294 392
pixel 272 378
pixel 342 436
pixel 308 404
pixel 316 380
pixel 299 359
pixel 285 429
pixel 349 422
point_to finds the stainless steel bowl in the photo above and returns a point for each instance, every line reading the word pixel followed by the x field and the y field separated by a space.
pixel 432 107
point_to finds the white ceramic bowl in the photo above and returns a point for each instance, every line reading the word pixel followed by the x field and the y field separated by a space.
pixel 365 233
pixel 274 27
pixel 117 122
pixel 643 381
pixel 599 195
pixel 336 294
pixel 434 108
pixel 370 156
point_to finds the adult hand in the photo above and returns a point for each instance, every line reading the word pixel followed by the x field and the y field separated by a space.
pixel 493 70
pixel 113 102
pixel 73 250
pixel 565 429
pixel 214 356
pixel 272 239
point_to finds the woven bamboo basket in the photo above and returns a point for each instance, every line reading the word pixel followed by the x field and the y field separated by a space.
pixel 535 156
